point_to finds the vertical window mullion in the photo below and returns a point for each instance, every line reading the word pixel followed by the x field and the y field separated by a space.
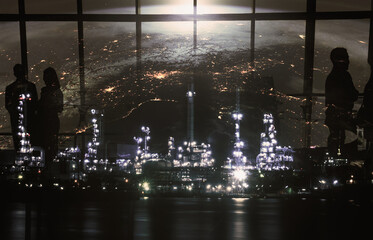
pixel 23 36
pixel 308 69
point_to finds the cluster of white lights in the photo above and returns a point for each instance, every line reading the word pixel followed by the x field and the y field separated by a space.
pixel 238 160
pixel 271 156
pixel 143 152
pixel 192 154
pixel 237 116
pixel 25 150
pixel 329 160
pixel 93 146
pixel 171 146
pixel 229 189
pixel 123 164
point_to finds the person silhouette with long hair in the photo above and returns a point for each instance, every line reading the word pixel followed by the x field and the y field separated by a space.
pixel 49 106
pixel 12 98
pixel 340 95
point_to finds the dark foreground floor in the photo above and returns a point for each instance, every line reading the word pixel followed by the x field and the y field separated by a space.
pixel 188 218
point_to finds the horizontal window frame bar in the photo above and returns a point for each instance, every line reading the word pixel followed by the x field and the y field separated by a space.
pixel 190 17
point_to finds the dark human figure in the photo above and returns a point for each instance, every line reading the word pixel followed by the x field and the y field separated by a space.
pixel 12 93
pixel 365 114
pixel 49 106
pixel 365 120
pixel 340 95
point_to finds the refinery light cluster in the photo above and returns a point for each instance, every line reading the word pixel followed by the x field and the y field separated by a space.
pixel 187 159
pixel 272 156
pixel 24 155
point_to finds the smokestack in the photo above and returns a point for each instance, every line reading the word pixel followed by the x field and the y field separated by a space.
pixel 190 120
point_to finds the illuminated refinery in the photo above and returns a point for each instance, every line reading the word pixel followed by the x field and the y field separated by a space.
pixel 27 155
pixel 272 156
pixel 188 167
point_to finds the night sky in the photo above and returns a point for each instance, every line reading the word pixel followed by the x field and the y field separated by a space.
pixel 218 65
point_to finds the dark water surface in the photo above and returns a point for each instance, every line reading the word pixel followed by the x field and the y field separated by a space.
pixel 188 218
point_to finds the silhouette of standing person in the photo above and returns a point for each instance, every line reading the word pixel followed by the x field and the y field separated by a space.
pixel 49 106
pixel 365 120
pixel 12 96
pixel 340 95
pixel 365 114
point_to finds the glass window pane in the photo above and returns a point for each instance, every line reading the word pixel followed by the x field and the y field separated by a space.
pixel 224 6
pixel 350 34
pixel 110 70
pixel 166 67
pixel 165 7
pixel 223 52
pixel 171 40
pixel 50 6
pixel 319 131
pixel 54 44
pixel 8 6
pixel 10 54
pixel 109 6
pixel 342 5
pixel 221 36
pixel 279 53
pixel 291 121
pixel 263 6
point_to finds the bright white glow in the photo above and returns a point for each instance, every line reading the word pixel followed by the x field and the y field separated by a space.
pixel 146 186
pixel 239 174
pixel 237 153
pixel 322 181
